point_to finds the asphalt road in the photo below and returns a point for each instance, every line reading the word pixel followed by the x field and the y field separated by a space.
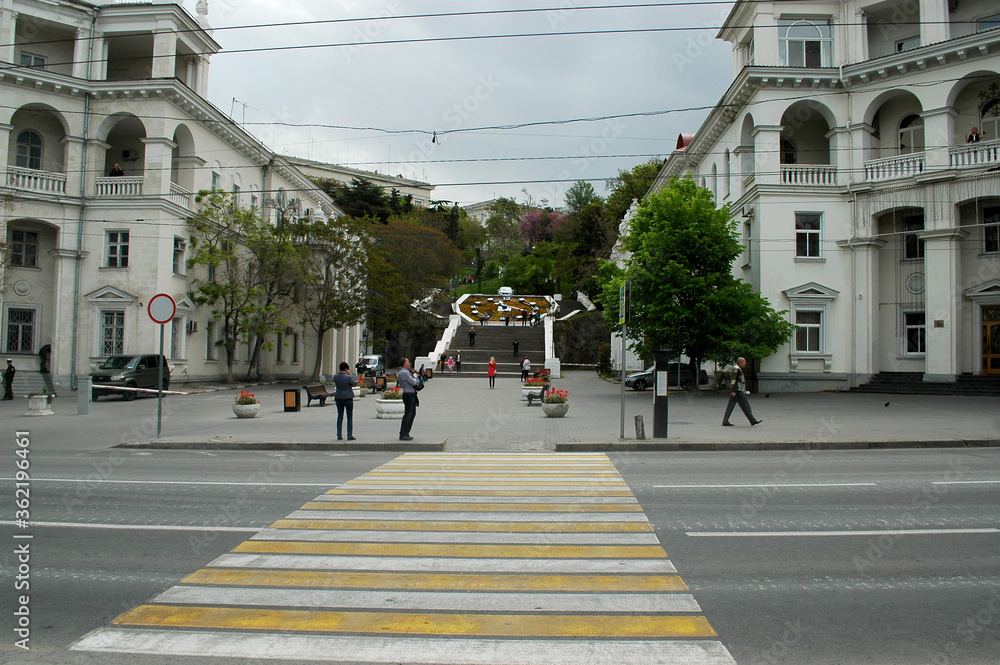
pixel 794 557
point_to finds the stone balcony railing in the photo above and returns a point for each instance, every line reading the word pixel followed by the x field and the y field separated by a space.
pixel 749 181
pixel 117 187
pixel 30 180
pixel 970 155
pixel 894 168
pixel 808 174
pixel 179 195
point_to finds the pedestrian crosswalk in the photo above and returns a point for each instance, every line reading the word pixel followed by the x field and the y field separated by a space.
pixel 444 559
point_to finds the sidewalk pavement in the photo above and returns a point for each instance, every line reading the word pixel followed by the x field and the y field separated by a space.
pixel 463 414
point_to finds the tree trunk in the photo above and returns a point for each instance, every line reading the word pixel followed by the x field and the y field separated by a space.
pixel 320 336
pixel 255 358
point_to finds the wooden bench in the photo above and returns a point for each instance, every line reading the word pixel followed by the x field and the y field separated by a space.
pixel 317 392
pixel 540 395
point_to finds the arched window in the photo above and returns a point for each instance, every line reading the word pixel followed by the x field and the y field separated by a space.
pixel 29 150
pixel 715 183
pixel 804 43
pixel 911 134
pixel 729 175
pixel 787 152
pixel 990 124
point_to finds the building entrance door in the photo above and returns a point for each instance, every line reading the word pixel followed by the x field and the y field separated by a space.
pixel 991 340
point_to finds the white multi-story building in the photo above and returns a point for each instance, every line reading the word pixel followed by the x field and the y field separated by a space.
pixel 86 87
pixel 842 146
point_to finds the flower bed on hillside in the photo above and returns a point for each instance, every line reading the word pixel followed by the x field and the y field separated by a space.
pixel 474 311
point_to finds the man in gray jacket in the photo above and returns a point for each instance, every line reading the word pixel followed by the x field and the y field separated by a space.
pixel 739 393
pixel 344 397
pixel 408 383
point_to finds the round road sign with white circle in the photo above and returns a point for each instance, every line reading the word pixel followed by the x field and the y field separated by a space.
pixel 161 308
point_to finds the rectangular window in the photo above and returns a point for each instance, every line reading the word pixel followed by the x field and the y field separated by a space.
pixel 216 178
pixel 210 347
pixel 804 43
pixel 991 230
pixel 908 43
pixel 24 249
pixel 989 23
pixel 915 330
pixel 913 246
pixel 179 247
pixel 253 201
pixel 278 346
pixel 236 196
pixel 20 336
pixel 747 235
pixel 112 333
pixel 807 229
pixel 32 60
pixel 117 249
pixel 807 332
pixel 295 347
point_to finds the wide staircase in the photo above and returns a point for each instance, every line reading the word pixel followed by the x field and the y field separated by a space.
pixel 912 383
pixel 497 341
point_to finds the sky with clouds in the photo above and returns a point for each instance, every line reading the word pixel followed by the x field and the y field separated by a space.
pixel 386 100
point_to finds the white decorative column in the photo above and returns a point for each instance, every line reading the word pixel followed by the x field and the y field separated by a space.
pixel 164 53
pixel 939 130
pixel 8 25
pixel 5 145
pixel 865 306
pixel 81 54
pixel 73 164
pixel 942 272
pixel 859 52
pixel 767 154
pixel 156 168
pixel 934 26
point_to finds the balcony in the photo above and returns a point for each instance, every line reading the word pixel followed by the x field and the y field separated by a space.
pixel 749 181
pixel 971 155
pixel 179 195
pixel 117 187
pixel 894 168
pixel 39 182
pixel 808 174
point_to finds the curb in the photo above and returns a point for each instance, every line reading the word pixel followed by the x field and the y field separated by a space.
pixel 282 445
pixel 703 446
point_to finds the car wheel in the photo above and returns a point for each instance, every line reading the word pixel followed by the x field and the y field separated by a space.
pixel 639 385
pixel 129 395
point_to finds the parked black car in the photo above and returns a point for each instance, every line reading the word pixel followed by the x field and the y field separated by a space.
pixel 677 376
pixel 132 371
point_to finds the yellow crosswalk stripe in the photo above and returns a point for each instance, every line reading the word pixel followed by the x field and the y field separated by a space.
pixel 472 507
pixel 450 550
pixel 424 525
pixel 438 581
pixel 479 493
pixel 418 623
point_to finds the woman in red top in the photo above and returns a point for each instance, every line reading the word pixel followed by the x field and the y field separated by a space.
pixel 491 371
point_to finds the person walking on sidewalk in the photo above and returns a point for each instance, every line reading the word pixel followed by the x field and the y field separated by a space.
pixel 408 383
pixel 472 336
pixel 515 347
pixel 8 380
pixel 344 397
pixel 458 362
pixel 451 364
pixel 491 371
pixel 525 368
pixel 738 395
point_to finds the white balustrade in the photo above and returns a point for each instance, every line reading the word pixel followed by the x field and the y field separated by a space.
pixel 30 180
pixel 748 182
pixel 808 174
pixel 180 196
pixel 117 187
pixel 975 154
pixel 894 168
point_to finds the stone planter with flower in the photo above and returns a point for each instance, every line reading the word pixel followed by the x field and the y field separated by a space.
pixel 39 404
pixel 532 385
pixel 246 405
pixel 390 404
pixel 555 404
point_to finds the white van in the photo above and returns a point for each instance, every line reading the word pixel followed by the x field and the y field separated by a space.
pixel 505 292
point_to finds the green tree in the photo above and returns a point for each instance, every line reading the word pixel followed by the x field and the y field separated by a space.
pixel 334 293
pixel 629 185
pixel 684 296
pixel 579 196
pixel 233 284
pixel 502 232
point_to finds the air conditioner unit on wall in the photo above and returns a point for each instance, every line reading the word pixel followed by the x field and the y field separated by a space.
pixel 748 210
pixel 192 327
pixel 130 155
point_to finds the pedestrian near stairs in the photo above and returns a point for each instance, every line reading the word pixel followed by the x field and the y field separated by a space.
pixel 491 371
pixel 451 364
pixel 738 395
pixel 458 362
pixel 8 380
pixel 472 336
pixel 525 368
pixel 515 347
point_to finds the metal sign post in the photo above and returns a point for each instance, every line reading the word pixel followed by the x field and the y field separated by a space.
pixel 161 310
pixel 623 305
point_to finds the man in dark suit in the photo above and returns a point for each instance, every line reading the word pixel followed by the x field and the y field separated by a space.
pixel 738 395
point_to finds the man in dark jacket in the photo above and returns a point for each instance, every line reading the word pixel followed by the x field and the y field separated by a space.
pixel 738 395
pixel 344 397
pixel 8 380
pixel 408 383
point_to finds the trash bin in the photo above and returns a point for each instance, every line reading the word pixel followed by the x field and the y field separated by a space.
pixel 430 372
pixel 293 399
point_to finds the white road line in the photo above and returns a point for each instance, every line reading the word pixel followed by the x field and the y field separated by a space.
pixel 140 527
pixel 733 486
pixel 874 532
pixel 431 601
pixel 464 537
pixel 445 516
pixel 440 564
pixel 966 482
pixel 109 481
pixel 410 650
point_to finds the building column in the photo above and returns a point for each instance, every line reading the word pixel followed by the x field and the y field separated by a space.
pixel 865 306
pixel 767 154
pixel 97 153
pixel 943 298
pixel 80 54
pixel 939 128
pixel 156 168
pixel 8 26
pixel 765 41
pixel 860 53
pixel 202 68
pixel 934 25
pixel 164 54
pixel 860 150
pixel 5 131
pixel 73 164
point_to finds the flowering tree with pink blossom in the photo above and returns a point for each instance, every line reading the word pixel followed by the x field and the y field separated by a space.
pixel 538 225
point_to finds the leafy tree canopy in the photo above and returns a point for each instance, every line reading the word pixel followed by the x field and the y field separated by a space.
pixel 579 196
pixel 629 185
